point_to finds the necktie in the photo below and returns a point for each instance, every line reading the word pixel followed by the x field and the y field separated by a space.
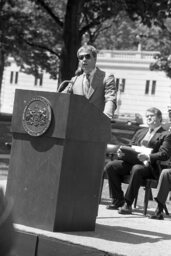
pixel 86 84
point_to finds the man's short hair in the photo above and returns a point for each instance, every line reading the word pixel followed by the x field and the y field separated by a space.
pixel 89 48
pixel 155 111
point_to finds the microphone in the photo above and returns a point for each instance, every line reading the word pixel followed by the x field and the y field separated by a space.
pixel 62 86
pixel 78 72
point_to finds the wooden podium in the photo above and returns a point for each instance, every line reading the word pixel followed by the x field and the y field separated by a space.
pixel 54 179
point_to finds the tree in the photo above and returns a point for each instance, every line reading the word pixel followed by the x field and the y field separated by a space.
pixel 125 34
pixel 120 35
pixel 4 38
pixel 40 33
pixel 24 36
pixel 163 60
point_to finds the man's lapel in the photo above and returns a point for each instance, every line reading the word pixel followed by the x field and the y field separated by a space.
pixel 94 83
pixel 142 134
pixel 156 137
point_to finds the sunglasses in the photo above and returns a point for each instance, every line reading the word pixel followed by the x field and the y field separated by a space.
pixel 86 56
pixel 150 115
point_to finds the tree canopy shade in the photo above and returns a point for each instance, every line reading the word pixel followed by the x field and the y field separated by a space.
pixel 46 34
pixel 163 60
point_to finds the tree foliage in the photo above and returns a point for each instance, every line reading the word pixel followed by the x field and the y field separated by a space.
pixel 45 34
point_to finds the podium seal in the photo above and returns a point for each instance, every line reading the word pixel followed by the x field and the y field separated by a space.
pixel 37 116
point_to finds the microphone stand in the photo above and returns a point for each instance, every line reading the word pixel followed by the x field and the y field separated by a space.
pixel 62 87
pixel 71 82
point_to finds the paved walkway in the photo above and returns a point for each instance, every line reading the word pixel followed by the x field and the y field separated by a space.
pixel 133 234
pixel 119 235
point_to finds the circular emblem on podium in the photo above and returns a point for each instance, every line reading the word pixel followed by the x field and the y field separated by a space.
pixel 37 116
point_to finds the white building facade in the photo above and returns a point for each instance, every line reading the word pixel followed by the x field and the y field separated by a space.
pixel 13 79
pixel 139 88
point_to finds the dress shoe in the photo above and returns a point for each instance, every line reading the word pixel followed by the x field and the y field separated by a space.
pixel 116 204
pixel 125 209
pixel 161 207
pixel 157 216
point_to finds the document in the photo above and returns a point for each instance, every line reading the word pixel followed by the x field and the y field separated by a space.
pixel 142 149
pixel 130 153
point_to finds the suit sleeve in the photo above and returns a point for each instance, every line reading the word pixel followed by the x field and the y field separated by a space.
pixel 164 152
pixel 110 96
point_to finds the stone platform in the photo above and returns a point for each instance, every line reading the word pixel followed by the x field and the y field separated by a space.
pixel 115 234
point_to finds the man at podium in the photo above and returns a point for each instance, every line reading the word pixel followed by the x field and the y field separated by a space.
pixel 96 85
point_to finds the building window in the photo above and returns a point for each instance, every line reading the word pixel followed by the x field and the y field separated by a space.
pixel 41 79
pixel 147 86
pixel 11 77
pixel 120 84
pixel 153 88
pixel 14 77
pixel 150 87
pixel 38 81
pixel 117 83
pixel 35 81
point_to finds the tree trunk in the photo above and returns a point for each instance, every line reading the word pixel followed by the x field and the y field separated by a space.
pixel 72 40
pixel 2 53
pixel 2 64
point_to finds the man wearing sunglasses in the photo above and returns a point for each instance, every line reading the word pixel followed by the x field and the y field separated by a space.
pixel 94 84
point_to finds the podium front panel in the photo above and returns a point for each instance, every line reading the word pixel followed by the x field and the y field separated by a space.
pixel 54 179
pixel 33 180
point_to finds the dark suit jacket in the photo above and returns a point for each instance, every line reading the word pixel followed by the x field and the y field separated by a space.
pixel 161 144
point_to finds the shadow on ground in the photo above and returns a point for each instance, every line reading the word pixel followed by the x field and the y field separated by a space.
pixel 126 235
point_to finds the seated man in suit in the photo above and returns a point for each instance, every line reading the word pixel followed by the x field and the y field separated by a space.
pixel 164 186
pixel 154 137
pixel 96 85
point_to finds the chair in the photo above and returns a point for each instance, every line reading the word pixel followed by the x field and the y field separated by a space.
pixel 148 184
